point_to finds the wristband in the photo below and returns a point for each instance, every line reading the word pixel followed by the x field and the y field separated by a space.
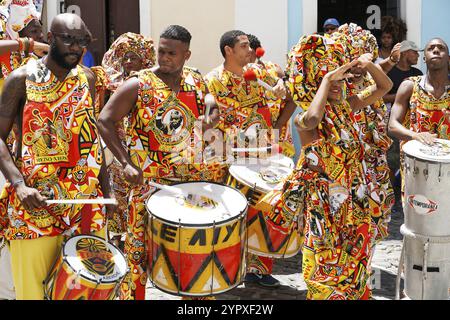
pixel 21 44
pixel 31 49
pixel 27 45
pixel 393 61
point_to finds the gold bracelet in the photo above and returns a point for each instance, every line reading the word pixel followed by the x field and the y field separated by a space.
pixel 301 122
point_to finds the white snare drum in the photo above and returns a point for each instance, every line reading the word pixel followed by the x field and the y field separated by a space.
pixel 427 188
pixel 255 181
pixel 427 220
pixel 88 268
pixel 196 248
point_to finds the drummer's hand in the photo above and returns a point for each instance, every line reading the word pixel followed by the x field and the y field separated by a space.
pixel 425 137
pixel 212 122
pixel 280 90
pixel 30 198
pixel 133 175
pixel 41 49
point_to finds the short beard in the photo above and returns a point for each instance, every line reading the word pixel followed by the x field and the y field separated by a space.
pixel 58 57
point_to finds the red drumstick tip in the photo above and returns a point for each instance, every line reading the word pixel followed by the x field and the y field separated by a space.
pixel 250 75
pixel 260 52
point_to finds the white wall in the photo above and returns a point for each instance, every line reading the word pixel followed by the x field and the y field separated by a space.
pixel 268 20
pixel 206 20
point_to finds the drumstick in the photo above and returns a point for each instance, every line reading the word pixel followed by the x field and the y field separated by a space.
pixel 165 188
pixel 274 147
pixel 82 201
pixel 209 101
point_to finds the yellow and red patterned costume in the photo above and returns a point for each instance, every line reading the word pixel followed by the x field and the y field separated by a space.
pixel 373 128
pixel 328 189
pixel 162 128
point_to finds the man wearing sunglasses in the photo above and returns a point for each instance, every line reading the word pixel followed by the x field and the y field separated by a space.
pixel 331 25
pixel 58 155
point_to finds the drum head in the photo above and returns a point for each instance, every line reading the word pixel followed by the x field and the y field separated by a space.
pixel 213 204
pixel 95 259
pixel 439 152
pixel 264 176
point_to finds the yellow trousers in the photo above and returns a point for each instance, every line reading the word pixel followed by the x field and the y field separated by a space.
pixel 31 262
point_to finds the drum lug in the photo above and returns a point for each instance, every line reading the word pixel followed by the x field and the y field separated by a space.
pixel 408 167
pixel 426 172
pixel 416 170
pixel 440 172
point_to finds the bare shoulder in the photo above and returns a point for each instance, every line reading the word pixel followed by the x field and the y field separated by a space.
pixel 406 87
pixel 90 75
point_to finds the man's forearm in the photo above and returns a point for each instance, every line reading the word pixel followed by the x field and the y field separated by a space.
pixel 108 132
pixel 105 182
pixel 7 165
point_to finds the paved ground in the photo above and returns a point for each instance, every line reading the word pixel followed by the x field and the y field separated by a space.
pixel 288 272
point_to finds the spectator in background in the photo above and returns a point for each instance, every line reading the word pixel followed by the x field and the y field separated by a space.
pixel 387 43
pixel 88 59
pixel 331 25
pixel 393 30
pixel 409 57
pixel 401 70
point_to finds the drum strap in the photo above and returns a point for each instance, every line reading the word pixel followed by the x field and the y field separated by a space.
pixel 86 219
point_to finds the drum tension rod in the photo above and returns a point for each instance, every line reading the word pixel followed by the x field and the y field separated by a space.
pixel 426 172
pixel 416 170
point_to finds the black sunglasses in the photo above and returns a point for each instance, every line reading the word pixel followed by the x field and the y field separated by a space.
pixel 69 40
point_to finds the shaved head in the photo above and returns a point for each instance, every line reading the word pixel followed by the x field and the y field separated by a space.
pixel 67 22
pixel 68 37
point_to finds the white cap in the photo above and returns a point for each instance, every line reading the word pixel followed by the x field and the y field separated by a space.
pixel 409 45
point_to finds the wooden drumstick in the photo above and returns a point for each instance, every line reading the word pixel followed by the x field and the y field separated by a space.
pixel 165 188
pixel 82 201
pixel 209 101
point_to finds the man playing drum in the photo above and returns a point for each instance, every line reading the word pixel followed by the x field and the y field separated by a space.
pixel 165 101
pixel 60 155
pixel 422 107
pixel 246 107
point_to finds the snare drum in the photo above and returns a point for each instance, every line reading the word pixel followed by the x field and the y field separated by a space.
pixel 88 268
pixel 427 220
pixel 255 181
pixel 427 185
pixel 196 248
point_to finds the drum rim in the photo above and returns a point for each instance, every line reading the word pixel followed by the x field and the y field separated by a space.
pixel 64 258
pixel 239 216
pixel 424 160
pixel 407 154
pixel 258 188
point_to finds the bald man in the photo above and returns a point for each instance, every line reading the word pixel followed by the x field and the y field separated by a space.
pixel 59 155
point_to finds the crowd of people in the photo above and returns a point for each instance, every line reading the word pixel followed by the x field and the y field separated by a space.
pixel 68 131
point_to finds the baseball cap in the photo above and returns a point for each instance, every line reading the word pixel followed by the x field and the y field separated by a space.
pixel 331 21
pixel 409 45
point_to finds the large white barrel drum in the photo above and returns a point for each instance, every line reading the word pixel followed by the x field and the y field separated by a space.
pixel 427 220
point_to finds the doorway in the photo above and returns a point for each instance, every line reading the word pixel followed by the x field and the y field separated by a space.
pixel 365 13
pixel 107 20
